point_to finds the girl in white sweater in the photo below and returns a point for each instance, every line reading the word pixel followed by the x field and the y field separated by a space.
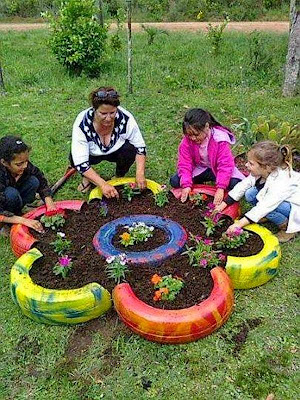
pixel 272 187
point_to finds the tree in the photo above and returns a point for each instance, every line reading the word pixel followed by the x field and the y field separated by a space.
pixel 292 70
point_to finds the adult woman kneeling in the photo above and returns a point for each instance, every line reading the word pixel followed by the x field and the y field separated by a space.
pixel 108 132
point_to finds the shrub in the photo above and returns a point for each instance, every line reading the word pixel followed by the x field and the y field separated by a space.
pixel 78 40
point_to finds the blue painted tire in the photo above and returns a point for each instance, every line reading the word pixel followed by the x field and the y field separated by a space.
pixel 177 237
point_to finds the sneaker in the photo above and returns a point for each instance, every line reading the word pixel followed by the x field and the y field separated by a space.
pixel 284 237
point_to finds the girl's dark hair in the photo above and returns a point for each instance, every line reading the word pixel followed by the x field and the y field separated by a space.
pixel 104 95
pixel 197 118
pixel 10 146
pixel 271 154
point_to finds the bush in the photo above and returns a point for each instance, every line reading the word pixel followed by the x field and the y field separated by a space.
pixel 25 8
pixel 78 40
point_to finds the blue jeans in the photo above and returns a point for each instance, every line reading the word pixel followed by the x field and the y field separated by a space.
pixel 206 176
pixel 278 216
pixel 16 198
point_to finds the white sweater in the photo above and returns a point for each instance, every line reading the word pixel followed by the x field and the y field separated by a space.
pixel 281 185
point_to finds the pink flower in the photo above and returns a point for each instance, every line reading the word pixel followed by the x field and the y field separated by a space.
pixel 217 217
pixel 132 185
pixel 237 231
pixel 210 206
pixel 65 261
pixel 203 262
pixel 208 242
pixel 198 237
pixel 222 257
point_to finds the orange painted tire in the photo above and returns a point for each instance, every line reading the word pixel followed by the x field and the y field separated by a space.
pixel 21 239
pixel 176 326
pixel 232 211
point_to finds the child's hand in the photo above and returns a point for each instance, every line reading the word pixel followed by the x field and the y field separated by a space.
pixel 233 227
pixel 219 196
pixel 185 194
pixel 219 208
pixel 32 223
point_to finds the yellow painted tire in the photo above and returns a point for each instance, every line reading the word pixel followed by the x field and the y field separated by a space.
pixel 249 272
pixel 97 193
pixel 55 306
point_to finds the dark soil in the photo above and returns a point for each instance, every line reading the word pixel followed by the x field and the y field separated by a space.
pixel 88 266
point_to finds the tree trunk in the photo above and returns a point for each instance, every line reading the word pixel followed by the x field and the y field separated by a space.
pixel 1 80
pixel 100 16
pixel 129 60
pixel 292 70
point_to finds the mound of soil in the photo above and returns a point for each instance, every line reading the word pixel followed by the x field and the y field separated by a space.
pixel 89 266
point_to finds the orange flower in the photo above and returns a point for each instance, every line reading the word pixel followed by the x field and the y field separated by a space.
pixel 157 295
pixel 164 290
pixel 155 279
pixel 204 197
pixel 125 236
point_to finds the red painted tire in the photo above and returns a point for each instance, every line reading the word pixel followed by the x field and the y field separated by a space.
pixel 21 239
pixel 176 326
pixel 232 211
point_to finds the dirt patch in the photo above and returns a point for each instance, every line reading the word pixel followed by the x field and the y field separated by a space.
pixel 267 26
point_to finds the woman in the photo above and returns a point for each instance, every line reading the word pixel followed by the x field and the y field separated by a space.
pixel 108 132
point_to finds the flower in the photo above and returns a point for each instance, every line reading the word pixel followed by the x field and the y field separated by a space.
pixel 198 238
pixel 208 242
pixel 65 261
pixel 203 262
pixel 110 259
pixel 211 206
pixel 132 185
pixel 222 257
pixel 204 197
pixel 157 295
pixel 164 290
pixel 125 236
pixel 61 234
pixel 155 279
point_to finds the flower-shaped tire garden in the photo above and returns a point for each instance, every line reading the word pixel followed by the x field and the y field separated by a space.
pixel 176 234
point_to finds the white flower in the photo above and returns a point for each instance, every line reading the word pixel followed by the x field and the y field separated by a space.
pixel 151 228
pixel 110 259
pixel 61 234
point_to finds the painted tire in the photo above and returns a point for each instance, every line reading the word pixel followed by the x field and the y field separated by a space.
pixel 249 272
pixel 21 239
pixel 176 326
pixel 177 237
pixel 96 193
pixel 55 306
pixel 232 211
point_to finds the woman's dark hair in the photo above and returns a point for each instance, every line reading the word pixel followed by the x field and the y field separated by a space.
pixel 10 146
pixel 197 118
pixel 104 95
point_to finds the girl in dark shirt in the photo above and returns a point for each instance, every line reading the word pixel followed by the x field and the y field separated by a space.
pixel 19 182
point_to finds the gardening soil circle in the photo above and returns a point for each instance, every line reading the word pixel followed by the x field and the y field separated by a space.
pixel 89 266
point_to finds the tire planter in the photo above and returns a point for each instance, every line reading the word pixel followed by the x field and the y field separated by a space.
pixel 96 193
pixel 176 326
pixel 177 237
pixel 55 306
pixel 249 272
pixel 232 211
pixel 21 239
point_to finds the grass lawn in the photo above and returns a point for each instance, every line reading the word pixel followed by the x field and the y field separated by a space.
pixel 102 359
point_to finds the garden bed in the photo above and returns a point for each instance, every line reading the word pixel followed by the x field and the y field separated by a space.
pixel 89 266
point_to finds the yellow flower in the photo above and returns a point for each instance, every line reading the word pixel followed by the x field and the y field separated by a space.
pixel 125 237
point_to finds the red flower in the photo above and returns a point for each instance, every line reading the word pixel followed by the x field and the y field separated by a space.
pixel 155 279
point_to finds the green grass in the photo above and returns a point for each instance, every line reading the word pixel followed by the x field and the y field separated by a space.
pixel 177 72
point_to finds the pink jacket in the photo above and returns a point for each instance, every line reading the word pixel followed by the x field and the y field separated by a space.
pixel 219 155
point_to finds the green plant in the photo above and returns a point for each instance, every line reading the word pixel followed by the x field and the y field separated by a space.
pixel 63 266
pixel 152 32
pixel 53 221
pixel 201 254
pixel 115 38
pixel 161 197
pixel 103 209
pixel 61 244
pixel 138 232
pixel 116 268
pixel 232 240
pixel 168 287
pixel 215 35
pixel 198 199
pixel 130 190
pixel 77 39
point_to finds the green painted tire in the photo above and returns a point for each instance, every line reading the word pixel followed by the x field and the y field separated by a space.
pixel 249 272
pixel 55 306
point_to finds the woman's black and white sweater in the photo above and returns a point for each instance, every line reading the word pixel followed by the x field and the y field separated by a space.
pixel 86 142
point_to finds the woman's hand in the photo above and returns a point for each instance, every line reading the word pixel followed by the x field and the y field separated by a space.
pixel 109 191
pixel 141 181
pixel 219 196
pixel 34 224
pixel 185 194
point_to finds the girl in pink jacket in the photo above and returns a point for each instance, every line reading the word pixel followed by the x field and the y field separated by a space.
pixel 204 154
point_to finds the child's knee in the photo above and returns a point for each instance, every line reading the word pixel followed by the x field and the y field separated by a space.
pixel 33 182
pixel 175 181
pixel 250 195
pixel 13 198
